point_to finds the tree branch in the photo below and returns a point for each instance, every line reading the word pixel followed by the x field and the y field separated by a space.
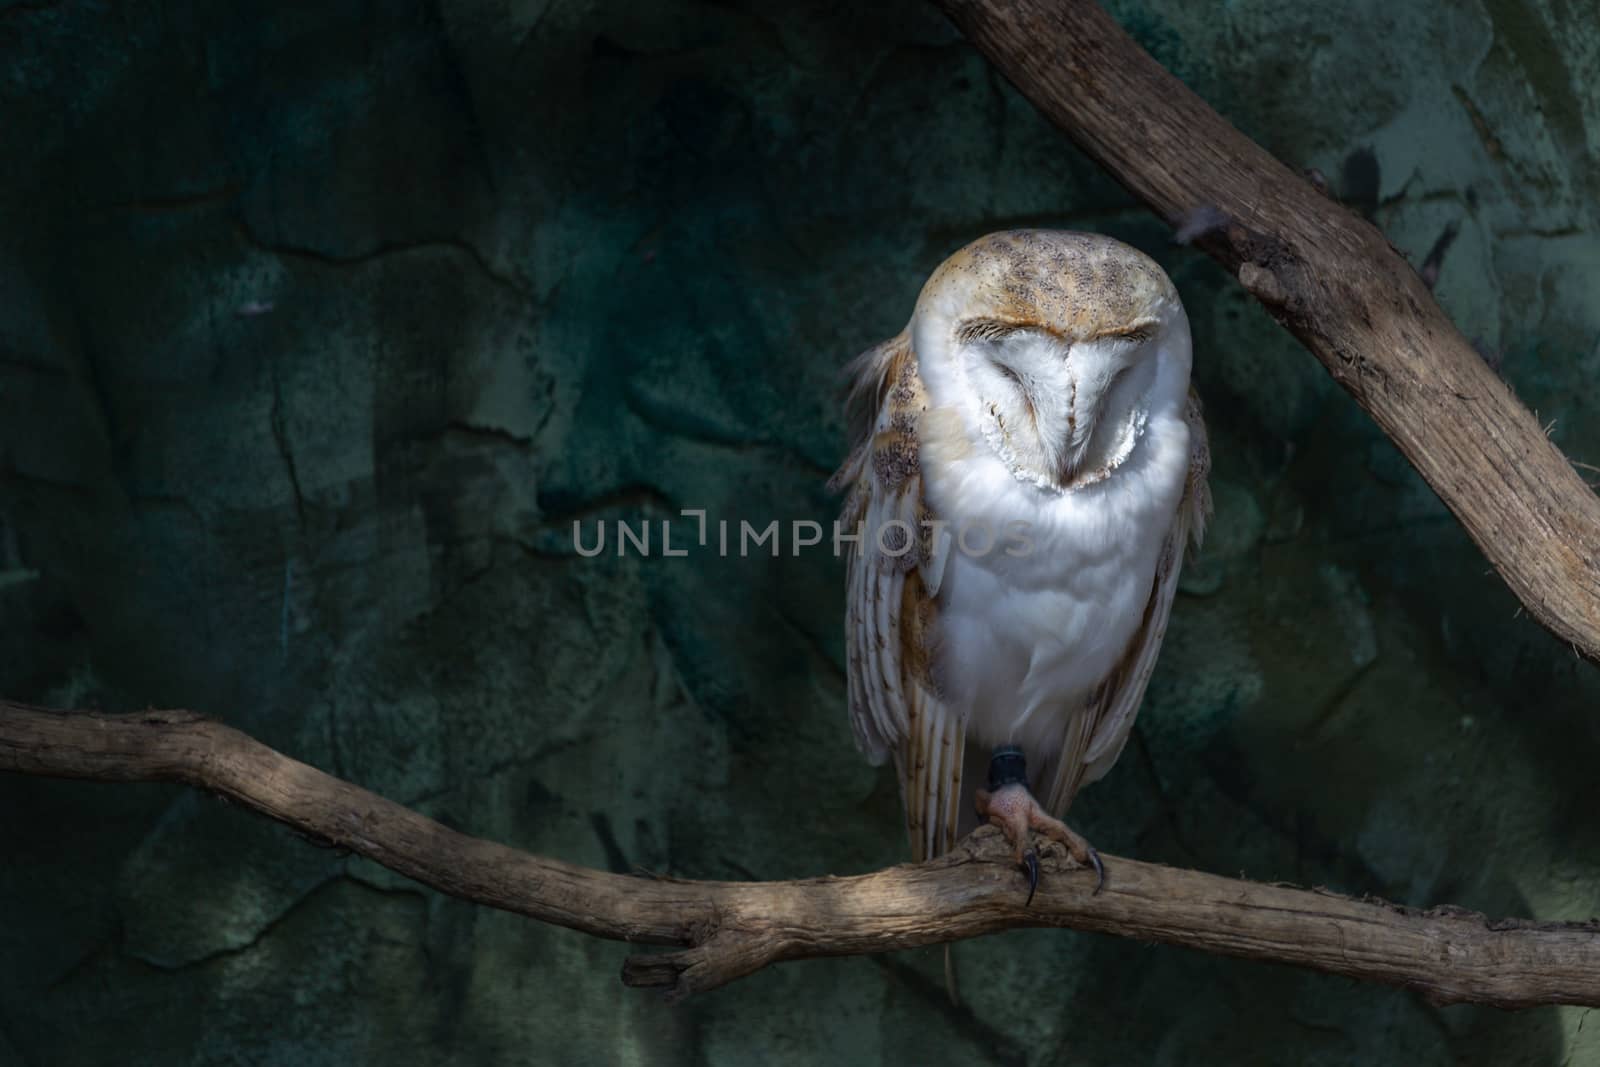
pixel 726 930
pixel 1332 279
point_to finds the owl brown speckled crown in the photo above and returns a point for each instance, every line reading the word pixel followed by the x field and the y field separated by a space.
pixel 1078 285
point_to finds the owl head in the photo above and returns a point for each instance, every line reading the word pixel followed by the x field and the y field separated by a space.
pixel 1055 348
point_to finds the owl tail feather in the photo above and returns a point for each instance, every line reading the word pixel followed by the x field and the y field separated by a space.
pixel 951 986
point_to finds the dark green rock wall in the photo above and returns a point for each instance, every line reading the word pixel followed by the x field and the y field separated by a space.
pixel 320 324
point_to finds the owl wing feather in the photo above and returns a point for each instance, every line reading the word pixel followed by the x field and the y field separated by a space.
pixel 1097 734
pixel 892 586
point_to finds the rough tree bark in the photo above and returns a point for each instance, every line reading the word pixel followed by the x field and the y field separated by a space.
pixel 1332 279
pixel 729 929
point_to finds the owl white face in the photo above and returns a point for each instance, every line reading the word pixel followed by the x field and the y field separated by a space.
pixel 1055 348
pixel 1059 414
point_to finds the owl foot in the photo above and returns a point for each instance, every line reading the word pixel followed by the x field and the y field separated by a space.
pixel 1008 804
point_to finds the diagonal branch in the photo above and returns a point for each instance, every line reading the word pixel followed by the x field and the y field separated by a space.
pixel 726 930
pixel 1331 279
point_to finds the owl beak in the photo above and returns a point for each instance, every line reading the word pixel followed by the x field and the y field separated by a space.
pixel 1071 460
pixel 1085 399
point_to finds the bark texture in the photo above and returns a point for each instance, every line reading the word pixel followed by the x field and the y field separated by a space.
pixel 726 930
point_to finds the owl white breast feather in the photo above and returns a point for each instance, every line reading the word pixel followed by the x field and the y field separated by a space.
pixel 1029 465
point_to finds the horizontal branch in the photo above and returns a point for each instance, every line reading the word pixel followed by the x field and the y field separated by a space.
pixel 725 930
pixel 1331 278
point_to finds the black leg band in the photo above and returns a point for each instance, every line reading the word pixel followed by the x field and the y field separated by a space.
pixel 1007 767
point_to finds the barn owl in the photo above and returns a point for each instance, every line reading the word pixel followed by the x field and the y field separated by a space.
pixel 1039 396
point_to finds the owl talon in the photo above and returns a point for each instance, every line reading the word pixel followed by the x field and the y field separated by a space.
pixel 1008 804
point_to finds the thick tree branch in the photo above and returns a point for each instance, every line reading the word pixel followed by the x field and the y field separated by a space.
pixel 729 929
pixel 1332 279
